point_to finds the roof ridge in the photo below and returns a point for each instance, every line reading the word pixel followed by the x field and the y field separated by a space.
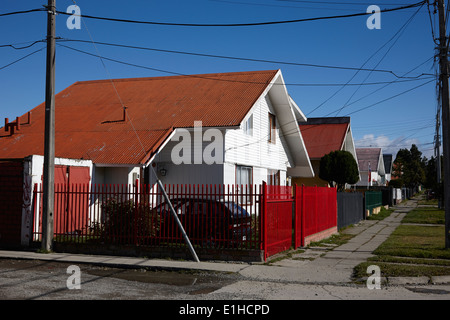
pixel 202 75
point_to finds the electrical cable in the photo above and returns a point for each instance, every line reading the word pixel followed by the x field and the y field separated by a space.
pixel 354 75
pixel 239 58
pixel 21 12
pixel 392 97
pixel 242 24
pixel 20 59
pixel 285 134
pixel 401 31
pixel 345 3
pixel 13 45
pixel 239 81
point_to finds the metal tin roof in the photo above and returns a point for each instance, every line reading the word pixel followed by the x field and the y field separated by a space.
pixel 323 138
pixel 89 114
pixel 369 157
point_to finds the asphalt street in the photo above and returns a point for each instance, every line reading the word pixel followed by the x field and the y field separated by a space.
pixel 315 274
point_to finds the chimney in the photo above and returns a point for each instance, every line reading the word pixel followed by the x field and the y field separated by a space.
pixel 10 126
pixel 124 114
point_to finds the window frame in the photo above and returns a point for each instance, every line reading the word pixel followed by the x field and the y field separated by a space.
pixel 248 126
pixel 273 177
pixel 272 128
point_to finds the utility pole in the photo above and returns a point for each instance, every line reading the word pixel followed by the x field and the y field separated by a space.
pixel 443 65
pixel 49 142
pixel 438 146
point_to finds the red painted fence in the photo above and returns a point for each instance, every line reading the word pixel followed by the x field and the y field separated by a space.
pixel 316 214
pixel 212 216
pixel 267 218
pixel 276 219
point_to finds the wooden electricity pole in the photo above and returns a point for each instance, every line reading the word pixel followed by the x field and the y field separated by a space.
pixel 443 66
pixel 49 140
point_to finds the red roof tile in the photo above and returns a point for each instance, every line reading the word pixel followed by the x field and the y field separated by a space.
pixel 321 139
pixel 88 114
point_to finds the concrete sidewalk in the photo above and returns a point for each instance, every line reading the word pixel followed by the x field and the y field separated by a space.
pixel 336 265
pixel 314 266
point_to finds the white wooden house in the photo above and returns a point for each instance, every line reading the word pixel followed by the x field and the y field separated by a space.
pixel 265 146
pixel 107 134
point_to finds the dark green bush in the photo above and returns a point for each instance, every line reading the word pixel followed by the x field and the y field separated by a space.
pixel 127 223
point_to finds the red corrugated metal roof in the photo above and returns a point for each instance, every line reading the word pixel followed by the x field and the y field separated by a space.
pixel 321 139
pixel 88 114
pixel 368 156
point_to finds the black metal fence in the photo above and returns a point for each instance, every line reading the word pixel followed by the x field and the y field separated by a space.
pixel 350 208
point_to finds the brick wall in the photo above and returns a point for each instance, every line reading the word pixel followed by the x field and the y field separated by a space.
pixel 11 199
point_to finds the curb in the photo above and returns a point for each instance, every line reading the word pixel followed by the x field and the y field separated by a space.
pixel 402 281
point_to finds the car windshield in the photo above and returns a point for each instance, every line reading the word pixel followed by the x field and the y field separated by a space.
pixel 236 211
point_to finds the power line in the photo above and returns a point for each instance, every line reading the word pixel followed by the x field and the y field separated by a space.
pixel 399 33
pixel 321 7
pixel 20 59
pixel 345 3
pixel 392 97
pixel 204 77
pixel 13 45
pixel 242 24
pixel 392 82
pixel 240 58
pixel 227 80
pixel 367 60
pixel 21 12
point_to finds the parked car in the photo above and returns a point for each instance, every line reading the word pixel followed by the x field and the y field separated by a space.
pixel 206 222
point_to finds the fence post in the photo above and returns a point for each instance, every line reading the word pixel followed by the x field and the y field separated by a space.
pixel 136 208
pixel 264 219
pixel 302 216
pixel 34 208
pixel 294 208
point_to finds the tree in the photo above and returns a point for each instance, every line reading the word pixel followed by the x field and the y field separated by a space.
pixel 410 167
pixel 339 167
pixel 431 181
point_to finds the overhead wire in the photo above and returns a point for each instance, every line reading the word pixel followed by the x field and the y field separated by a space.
pixel 124 108
pixel 200 25
pixel 320 7
pixel 344 3
pixel 409 79
pixel 13 45
pixel 22 58
pixel 241 24
pixel 21 12
pixel 391 82
pixel 203 77
pixel 398 34
pixel 241 58
pixel 367 60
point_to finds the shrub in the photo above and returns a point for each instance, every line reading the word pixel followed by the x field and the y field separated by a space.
pixel 126 223
pixel 340 167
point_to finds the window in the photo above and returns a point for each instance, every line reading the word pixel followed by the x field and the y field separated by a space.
pixel 244 175
pixel 244 181
pixel 273 177
pixel 248 126
pixel 272 128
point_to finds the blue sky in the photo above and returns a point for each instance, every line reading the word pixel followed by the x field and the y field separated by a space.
pixel 378 117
